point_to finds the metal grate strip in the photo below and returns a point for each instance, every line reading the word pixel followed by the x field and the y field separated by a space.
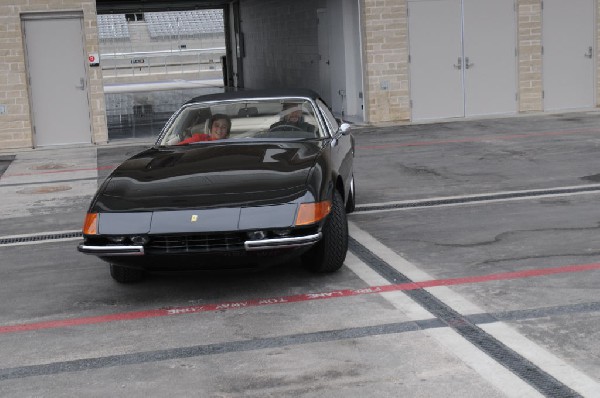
pixel 479 198
pixel 39 238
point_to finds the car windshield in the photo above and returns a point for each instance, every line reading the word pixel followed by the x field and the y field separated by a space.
pixel 252 119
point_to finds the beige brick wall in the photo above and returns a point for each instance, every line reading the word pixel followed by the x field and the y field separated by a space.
pixel 15 124
pixel 385 49
pixel 529 19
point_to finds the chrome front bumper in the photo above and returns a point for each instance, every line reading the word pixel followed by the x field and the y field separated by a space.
pixel 111 250
pixel 282 243
pixel 250 245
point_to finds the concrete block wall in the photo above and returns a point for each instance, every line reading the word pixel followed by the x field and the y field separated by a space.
pixel 15 124
pixel 385 55
pixel 281 43
pixel 529 20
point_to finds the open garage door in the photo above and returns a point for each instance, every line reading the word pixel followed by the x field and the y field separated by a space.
pixel 267 44
pixel 153 61
pixel 314 45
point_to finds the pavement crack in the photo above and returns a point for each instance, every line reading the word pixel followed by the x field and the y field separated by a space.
pixel 421 171
pixel 536 257
pixel 503 235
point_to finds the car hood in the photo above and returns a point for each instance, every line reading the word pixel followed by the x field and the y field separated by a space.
pixel 208 175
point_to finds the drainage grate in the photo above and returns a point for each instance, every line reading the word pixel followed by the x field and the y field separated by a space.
pixel 39 238
pixel 480 198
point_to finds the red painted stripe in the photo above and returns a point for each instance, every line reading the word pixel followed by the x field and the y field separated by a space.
pixel 127 316
pixel 490 137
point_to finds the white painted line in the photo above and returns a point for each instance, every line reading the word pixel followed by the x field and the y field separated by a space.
pixel 387 254
pixel 484 365
pixel 455 301
pixel 556 367
pixel 367 274
pixel 491 371
pixel 398 299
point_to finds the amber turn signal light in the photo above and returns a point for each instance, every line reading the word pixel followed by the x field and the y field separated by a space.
pixel 310 213
pixel 90 226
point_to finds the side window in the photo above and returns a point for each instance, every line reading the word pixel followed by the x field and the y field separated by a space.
pixel 329 118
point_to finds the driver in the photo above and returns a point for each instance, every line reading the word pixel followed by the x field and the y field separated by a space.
pixel 292 119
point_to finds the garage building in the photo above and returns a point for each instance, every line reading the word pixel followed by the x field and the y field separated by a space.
pixel 375 61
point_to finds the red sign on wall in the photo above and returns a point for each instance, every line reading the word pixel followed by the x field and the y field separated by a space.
pixel 93 59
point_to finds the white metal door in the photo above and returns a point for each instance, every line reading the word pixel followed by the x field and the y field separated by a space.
pixel 57 79
pixel 568 40
pixel 435 32
pixel 490 57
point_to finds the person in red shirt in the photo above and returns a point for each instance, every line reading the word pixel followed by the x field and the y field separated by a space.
pixel 219 128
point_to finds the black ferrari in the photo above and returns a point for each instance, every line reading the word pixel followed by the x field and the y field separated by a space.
pixel 235 180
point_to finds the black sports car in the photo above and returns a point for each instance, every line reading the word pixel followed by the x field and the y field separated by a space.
pixel 235 180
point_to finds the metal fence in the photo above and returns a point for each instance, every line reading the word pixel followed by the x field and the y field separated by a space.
pixel 144 114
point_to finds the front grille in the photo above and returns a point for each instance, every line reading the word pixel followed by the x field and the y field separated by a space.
pixel 200 243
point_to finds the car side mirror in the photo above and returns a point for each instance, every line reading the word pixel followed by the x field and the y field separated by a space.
pixel 345 128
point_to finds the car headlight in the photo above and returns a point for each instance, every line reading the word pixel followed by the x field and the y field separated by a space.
pixel 139 240
pixel 90 225
pixel 116 239
pixel 257 235
pixel 282 232
pixel 310 213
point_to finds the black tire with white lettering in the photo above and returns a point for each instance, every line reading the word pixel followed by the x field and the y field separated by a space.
pixel 329 253
pixel 124 274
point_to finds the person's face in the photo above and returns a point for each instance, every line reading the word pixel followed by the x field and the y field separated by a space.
pixel 219 129
pixel 294 117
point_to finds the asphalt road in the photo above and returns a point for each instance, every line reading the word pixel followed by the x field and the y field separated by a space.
pixel 473 271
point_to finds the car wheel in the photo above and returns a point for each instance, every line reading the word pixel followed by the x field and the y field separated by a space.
pixel 351 202
pixel 125 274
pixel 329 253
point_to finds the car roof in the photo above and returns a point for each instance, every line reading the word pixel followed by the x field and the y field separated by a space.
pixel 254 94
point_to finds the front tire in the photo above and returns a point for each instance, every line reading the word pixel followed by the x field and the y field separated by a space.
pixel 351 202
pixel 124 274
pixel 329 253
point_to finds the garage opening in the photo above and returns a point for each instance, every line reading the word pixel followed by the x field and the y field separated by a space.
pixel 152 62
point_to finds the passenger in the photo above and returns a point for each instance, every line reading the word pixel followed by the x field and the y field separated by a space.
pixel 292 119
pixel 219 129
